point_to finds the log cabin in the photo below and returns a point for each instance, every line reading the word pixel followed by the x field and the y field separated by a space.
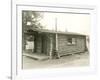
pixel 56 43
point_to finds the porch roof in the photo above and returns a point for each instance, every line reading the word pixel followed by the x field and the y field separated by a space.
pixel 54 32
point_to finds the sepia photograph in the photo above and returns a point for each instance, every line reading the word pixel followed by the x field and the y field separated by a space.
pixel 53 39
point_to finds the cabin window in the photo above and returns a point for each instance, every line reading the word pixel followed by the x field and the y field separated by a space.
pixel 71 41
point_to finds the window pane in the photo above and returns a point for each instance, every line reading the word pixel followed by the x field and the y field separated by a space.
pixel 71 41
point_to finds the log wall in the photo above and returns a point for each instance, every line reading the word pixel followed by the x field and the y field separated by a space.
pixel 64 48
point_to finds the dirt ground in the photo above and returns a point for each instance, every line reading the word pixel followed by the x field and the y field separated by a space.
pixel 75 60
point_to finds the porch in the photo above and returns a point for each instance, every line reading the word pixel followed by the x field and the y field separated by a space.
pixel 36 56
pixel 44 44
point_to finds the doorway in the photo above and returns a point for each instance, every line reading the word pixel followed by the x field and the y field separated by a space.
pixel 44 44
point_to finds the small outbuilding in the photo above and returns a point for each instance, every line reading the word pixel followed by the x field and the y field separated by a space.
pixel 56 43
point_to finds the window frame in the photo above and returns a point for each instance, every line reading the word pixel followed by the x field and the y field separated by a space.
pixel 73 39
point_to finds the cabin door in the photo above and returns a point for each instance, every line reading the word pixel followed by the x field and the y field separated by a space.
pixel 44 45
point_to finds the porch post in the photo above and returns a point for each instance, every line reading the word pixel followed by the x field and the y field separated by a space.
pixel 56 46
pixel 51 47
pixel 56 42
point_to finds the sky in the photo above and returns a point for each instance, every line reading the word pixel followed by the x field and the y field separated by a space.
pixel 79 23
